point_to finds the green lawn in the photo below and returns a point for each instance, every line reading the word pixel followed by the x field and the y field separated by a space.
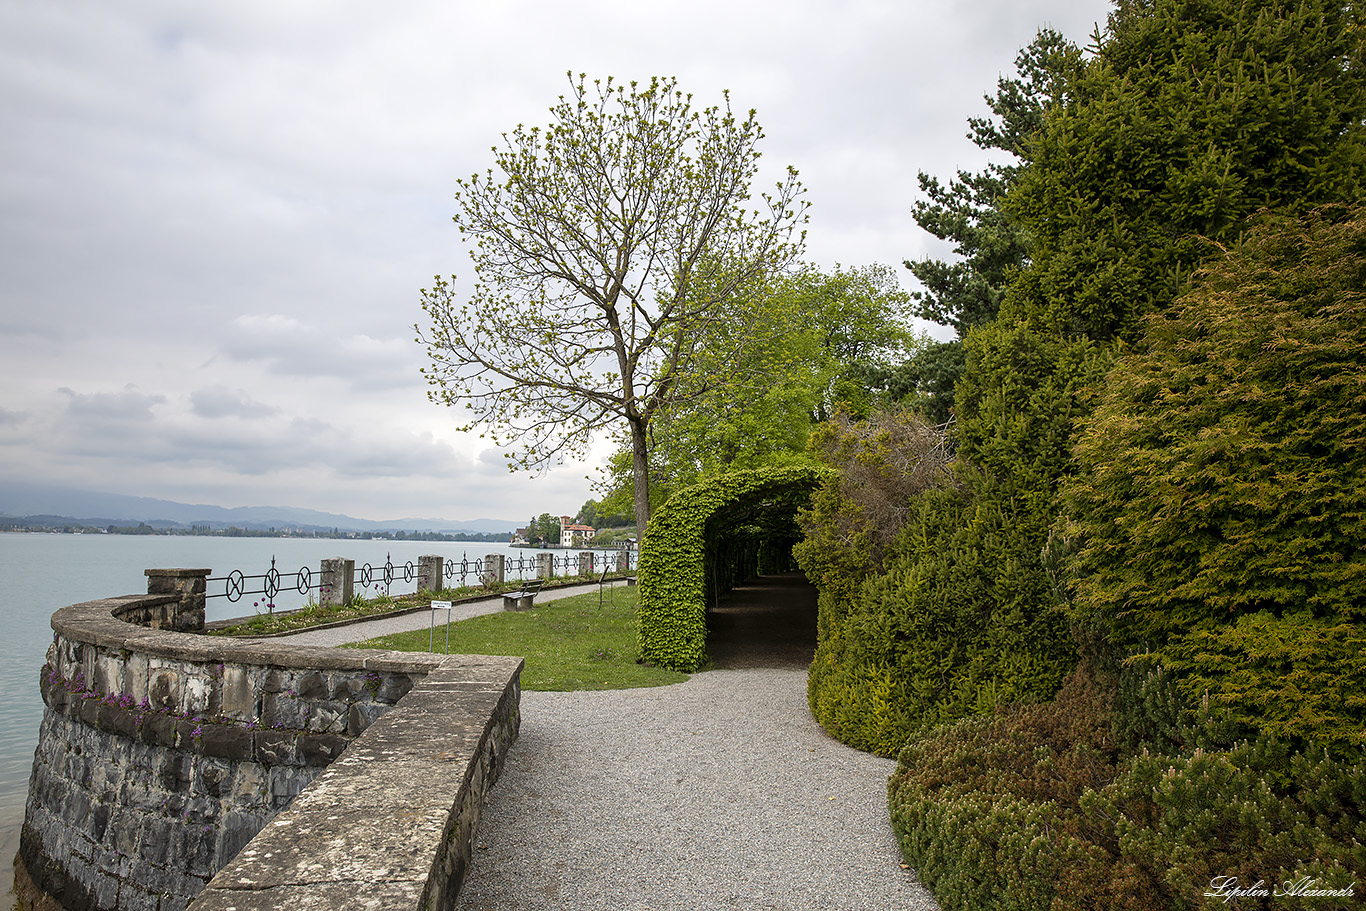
pixel 568 643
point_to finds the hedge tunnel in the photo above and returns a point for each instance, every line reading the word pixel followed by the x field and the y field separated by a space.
pixel 705 540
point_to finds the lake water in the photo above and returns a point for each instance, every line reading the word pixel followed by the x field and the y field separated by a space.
pixel 40 573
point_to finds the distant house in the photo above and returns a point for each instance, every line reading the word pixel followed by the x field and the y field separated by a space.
pixel 521 536
pixel 572 535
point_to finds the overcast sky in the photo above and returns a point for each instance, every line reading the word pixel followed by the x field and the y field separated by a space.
pixel 215 216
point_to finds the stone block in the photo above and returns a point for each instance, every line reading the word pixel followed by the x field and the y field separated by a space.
pixel 213 777
pixel 158 728
pixel 321 749
pixel 348 688
pixel 276 680
pixel 126 825
pixel 327 717
pixel 135 676
pixel 195 694
pixel 286 783
pixel 228 741
pixel 116 720
pixel 276 748
pixel 284 710
pixel 312 686
pixel 188 733
pixel 174 772
pixel 108 676
pixel 54 692
pixel 363 714
pixel 237 699
pixel 163 688
pixel 99 820
pixel 249 787
pixel 394 687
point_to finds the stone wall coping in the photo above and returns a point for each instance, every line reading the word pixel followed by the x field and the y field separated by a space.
pixel 390 825
pixel 95 623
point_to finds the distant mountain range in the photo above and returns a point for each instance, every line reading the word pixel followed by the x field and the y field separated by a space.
pixel 102 509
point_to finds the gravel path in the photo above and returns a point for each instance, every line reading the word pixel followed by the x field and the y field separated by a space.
pixel 720 792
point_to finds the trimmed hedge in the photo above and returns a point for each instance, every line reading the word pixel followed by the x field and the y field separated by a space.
pixel 704 540
pixel 934 600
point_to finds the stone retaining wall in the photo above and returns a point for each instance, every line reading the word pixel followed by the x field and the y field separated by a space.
pixel 163 753
pixel 391 824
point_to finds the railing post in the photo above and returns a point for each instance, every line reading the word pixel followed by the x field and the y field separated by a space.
pixel 586 563
pixel 338 578
pixel 429 573
pixel 545 565
pixel 623 562
pixel 186 615
pixel 493 569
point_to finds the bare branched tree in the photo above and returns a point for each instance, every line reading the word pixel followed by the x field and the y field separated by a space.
pixel 603 245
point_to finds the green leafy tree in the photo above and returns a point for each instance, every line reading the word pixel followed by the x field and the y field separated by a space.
pixel 544 529
pixel 925 383
pixel 990 244
pixel 589 514
pixel 604 246
pixel 1192 116
pixel 805 341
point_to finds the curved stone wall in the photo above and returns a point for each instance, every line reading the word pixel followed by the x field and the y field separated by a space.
pixel 163 753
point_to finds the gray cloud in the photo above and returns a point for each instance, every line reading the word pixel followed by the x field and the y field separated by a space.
pixel 127 405
pixel 286 346
pixel 220 402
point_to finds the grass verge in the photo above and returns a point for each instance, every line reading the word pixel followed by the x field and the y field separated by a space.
pixel 568 643
pixel 314 614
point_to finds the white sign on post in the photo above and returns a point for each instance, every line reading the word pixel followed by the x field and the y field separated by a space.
pixel 431 634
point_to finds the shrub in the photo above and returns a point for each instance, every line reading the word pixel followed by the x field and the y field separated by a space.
pixel 1220 506
pixel 949 617
pixel 1031 808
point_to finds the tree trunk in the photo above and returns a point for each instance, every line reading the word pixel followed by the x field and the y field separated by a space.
pixel 640 469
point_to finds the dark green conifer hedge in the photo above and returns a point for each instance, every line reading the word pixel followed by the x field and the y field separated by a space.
pixel 1223 544
pixel 1222 503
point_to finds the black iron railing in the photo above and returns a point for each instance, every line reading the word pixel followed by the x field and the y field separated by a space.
pixel 461 573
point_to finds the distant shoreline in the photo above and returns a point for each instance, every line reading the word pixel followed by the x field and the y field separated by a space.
pixel 9 527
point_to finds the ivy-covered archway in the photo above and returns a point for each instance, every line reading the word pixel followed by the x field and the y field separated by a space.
pixel 705 540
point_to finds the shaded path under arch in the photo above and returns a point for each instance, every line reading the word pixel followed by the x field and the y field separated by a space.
pixel 769 621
